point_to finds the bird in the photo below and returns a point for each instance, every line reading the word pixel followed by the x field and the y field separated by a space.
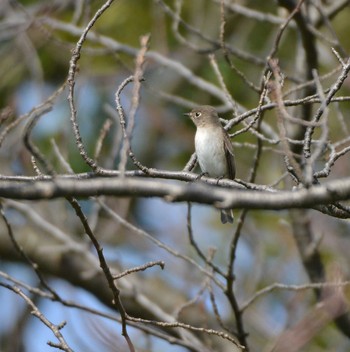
pixel 213 148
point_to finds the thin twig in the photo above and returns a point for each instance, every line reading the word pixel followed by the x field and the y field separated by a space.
pixel 62 345
pixel 103 133
pixel 220 78
pixel 71 80
pixel 139 268
pixel 194 244
pixel 106 270
pixel 159 243
pixel 297 288
pixel 276 93
pixel 25 257
pixel 334 89
pixel 180 325
pixel 135 98
pixel 126 150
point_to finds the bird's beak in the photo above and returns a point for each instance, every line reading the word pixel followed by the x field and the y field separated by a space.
pixel 187 114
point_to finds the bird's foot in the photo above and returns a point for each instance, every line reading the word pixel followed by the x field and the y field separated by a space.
pixel 219 179
pixel 201 175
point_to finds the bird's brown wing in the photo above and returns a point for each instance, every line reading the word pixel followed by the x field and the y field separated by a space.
pixel 229 156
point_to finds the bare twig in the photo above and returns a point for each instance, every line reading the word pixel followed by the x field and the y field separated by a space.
pixel 318 150
pixel 278 286
pixel 68 303
pixel 222 83
pixel 104 130
pixel 159 243
pixel 139 268
pixel 276 93
pixel 257 115
pixel 106 270
pixel 334 89
pixel 126 150
pixel 194 244
pixel 180 325
pixel 128 130
pixel 62 345
pixel 281 31
pixel 73 65
pixel 26 258
pixel 330 308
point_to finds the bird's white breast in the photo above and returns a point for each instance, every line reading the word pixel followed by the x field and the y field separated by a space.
pixel 210 151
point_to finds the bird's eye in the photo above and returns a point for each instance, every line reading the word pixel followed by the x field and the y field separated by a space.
pixel 197 114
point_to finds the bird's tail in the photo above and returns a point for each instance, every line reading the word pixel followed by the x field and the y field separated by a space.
pixel 226 216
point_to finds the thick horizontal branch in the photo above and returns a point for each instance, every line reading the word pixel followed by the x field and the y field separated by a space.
pixel 175 191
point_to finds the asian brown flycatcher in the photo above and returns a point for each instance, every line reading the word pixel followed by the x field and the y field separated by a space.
pixel 213 148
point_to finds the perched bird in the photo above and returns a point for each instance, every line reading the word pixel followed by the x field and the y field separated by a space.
pixel 213 148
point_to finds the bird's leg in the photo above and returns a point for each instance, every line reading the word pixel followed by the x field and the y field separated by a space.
pixel 201 175
pixel 218 179
pixel 225 214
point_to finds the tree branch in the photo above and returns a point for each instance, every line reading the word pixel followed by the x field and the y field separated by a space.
pixel 329 192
